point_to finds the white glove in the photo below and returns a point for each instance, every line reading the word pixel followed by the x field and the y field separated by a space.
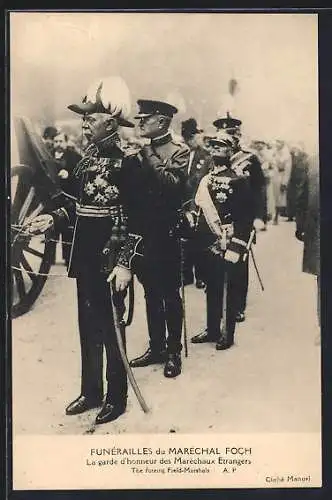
pixel 190 218
pixel 39 224
pixel 122 277
pixel 259 224
pixel 63 173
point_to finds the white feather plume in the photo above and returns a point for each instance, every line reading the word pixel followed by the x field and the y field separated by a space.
pixel 115 94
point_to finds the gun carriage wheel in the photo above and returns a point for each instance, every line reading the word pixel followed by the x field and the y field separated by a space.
pixel 31 257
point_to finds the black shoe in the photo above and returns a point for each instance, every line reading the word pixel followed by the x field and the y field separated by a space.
pixel 149 358
pixel 82 404
pixel 173 366
pixel 200 284
pixel 223 344
pixel 110 411
pixel 203 337
pixel 240 317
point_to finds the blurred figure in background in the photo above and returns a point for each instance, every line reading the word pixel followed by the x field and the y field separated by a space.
pixel 265 155
pixel 67 159
pixel 200 163
pixel 48 138
pixel 307 221
pixel 299 166
pixel 283 165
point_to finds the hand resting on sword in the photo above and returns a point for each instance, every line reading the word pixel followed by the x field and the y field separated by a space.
pixel 122 277
pixel 39 224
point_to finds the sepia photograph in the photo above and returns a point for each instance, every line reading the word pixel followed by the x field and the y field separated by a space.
pixel 165 250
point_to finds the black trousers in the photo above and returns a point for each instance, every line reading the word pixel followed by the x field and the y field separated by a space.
pixel 191 264
pixel 159 273
pixel 241 284
pixel 215 271
pixel 97 331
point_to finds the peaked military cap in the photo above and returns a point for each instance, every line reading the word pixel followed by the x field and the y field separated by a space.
pixel 189 128
pixel 110 96
pixel 227 122
pixel 148 107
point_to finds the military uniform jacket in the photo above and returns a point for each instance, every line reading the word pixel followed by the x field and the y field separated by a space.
pixel 245 163
pixel 97 212
pixel 200 162
pixel 154 190
pixel 231 197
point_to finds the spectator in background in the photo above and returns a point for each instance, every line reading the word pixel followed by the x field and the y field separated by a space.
pixel 307 221
pixel 265 155
pixel 283 165
pixel 48 138
pixel 66 159
pixel 299 166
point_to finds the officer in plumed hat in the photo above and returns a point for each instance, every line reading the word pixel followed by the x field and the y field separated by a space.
pixel 164 164
pixel 245 163
pixel 199 165
pixel 99 217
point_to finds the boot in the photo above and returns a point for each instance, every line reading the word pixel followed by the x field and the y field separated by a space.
pixel 111 410
pixel 82 404
pixel 173 366
pixel 203 337
pixel 149 358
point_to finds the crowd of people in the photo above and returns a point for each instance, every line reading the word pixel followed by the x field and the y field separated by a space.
pixel 169 212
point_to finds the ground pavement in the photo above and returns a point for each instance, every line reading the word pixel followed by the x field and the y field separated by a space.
pixel 268 382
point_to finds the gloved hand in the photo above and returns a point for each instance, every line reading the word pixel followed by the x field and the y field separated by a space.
pixel 299 235
pixel 259 224
pixel 191 218
pixel 122 277
pixel 63 174
pixel 39 224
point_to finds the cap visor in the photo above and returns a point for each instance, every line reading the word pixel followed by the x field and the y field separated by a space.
pixel 142 115
pixel 126 123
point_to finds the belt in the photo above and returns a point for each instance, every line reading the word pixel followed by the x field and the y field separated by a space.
pixel 93 211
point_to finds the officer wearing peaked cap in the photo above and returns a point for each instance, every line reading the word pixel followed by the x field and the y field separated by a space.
pixel 200 162
pixel 245 163
pixel 222 197
pixel 160 184
pixel 99 217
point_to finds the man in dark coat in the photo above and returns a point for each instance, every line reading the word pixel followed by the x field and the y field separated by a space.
pixel 66 159
pixel 98 217
pixel 245 163
pixel 153 216
pixel 223 233
pixel 307 221
pixel 200 162
pixel 299 167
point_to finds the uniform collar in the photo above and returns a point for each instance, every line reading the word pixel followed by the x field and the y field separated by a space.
pixel 104 150
pixel 162 139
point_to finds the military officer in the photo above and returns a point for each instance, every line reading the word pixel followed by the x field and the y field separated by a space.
pixel 199 164
pixel 245 163
pixel 98 217
pixel 223 234
pixel 160 185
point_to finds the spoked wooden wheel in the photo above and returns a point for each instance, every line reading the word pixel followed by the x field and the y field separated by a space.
pixel 31 257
